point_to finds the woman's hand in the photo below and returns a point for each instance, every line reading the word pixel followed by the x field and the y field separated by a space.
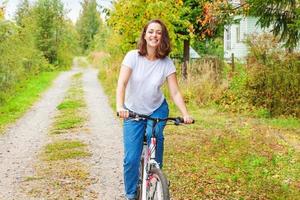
pixel 123 113
pixel 188 119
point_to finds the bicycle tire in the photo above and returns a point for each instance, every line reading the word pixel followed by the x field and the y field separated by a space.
pixel 140 184
pixel 158 188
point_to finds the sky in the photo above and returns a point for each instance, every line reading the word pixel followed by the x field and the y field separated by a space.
pixel 71 6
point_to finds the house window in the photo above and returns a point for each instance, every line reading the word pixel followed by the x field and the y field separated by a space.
pixel 228 38
pixel 238 34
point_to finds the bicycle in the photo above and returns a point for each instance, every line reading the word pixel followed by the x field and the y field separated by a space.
pixel 153 184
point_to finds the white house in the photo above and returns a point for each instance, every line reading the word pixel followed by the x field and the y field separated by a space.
pixel 235 34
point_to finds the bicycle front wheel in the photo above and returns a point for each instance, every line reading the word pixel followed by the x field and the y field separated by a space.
pixel 140 183
pixel 158 188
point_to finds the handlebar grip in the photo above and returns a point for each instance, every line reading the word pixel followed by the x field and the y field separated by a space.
pixel 181 120
pixel 131 114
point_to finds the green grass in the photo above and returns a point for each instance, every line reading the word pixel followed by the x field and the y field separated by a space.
pixel 70 104
pixel 24 97
pixel 227 155
pixel 237 158
pixel 71 110
pixel 285 123
pixel 68 123
pixel 65 149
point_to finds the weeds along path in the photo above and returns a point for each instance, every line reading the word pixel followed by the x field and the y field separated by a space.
pixel 106 140
pixel 21 142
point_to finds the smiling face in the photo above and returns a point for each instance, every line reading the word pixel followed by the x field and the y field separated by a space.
pixel 153 35
pixel 154 39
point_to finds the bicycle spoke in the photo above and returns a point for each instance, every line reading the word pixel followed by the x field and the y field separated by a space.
pixel 155 189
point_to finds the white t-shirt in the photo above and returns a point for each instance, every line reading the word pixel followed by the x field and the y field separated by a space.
pixel 143 94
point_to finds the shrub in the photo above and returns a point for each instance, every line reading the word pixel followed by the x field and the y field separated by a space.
pixel 19 58
pixel 273 81
pixel 205 83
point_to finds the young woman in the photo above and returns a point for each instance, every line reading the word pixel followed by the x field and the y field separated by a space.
pixel 142 74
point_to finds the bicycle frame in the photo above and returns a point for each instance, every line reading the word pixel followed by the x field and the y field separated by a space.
pixel 149 164
pixel 149 160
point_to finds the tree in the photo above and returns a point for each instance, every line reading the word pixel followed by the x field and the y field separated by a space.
pixel 23 12
pixel 128 18
pixel 282 16
pixel 88 23
pixel 200 19
pixel 68 46
pixel 185 20
pixel 49 16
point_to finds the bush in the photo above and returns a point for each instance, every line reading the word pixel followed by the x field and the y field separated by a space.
pixel 205 83
pixel 235 97
pixel 19 58
pixel 273 73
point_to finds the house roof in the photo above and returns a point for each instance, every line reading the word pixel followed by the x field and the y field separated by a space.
pixel 193 53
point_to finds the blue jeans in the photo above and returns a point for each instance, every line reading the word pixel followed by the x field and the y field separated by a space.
pixel 133 134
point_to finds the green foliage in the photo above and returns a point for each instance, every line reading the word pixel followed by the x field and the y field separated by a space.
pixel 49 19
pixel 54 35
pixel 235 97
pixel 129 17
pixel 68 46
pixel 210 47
pixel 23 12
pixel 281 16
pixel 25 93
pixel 273 77
pixel 19 57
pixel 88 24
pixel 269 84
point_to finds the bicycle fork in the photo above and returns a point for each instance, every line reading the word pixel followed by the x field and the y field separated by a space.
pixel 149 161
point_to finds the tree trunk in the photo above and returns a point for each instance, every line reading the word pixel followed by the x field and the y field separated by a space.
pixel 186 57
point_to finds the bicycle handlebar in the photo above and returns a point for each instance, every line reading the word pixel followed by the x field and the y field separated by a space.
pixel 177 120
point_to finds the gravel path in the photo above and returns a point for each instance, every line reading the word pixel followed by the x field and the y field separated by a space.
pixel 106 142
pixel 22 142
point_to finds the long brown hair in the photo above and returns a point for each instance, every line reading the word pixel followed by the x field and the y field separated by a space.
pixel 163 49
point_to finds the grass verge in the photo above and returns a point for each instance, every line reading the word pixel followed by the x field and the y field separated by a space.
pixel 26 94
pixel 226 155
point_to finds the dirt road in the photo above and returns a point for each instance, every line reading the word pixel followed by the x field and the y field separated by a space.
pixel 21 143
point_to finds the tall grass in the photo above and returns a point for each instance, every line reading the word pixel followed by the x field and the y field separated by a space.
pixel 205 81
pixel 26 92
pixel 273 73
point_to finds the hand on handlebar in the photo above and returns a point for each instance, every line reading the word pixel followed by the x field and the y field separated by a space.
pixel 188 119
pixel 123 113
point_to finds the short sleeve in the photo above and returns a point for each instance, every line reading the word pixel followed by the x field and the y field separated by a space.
pixel 170 69
pixel 130 59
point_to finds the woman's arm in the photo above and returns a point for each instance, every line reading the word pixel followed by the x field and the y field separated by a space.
pixel 177 98
pixel 125 73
